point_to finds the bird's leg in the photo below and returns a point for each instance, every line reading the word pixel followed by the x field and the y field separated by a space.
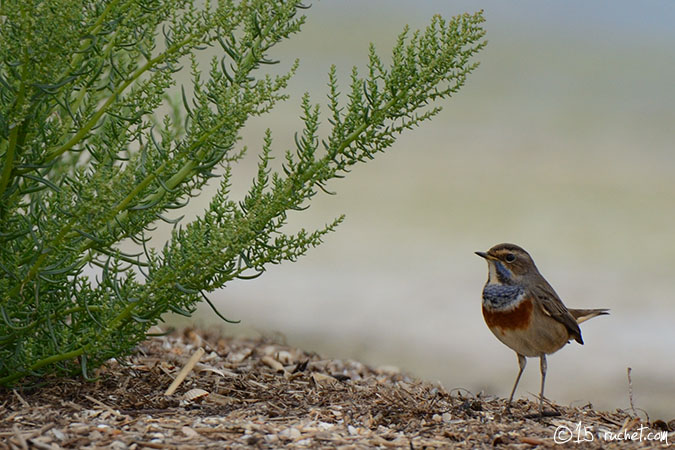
pixel 522 361
pixel 542 366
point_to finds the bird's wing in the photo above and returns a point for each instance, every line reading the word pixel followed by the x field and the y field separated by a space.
pixel 554 307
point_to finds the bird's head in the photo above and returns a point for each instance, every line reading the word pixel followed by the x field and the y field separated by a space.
pixel 508 264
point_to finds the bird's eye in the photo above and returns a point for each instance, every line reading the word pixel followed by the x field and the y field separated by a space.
pixel 510 257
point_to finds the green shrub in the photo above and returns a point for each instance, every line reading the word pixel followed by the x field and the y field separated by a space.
pixel 86 161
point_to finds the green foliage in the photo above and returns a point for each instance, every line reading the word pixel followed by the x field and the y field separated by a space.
pixel 86 163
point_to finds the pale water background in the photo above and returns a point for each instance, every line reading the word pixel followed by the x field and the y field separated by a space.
pixel 562 141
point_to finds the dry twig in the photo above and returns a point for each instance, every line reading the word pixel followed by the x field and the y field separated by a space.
pixel 184 371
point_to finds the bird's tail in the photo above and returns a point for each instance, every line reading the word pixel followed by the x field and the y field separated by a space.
pixel 582 315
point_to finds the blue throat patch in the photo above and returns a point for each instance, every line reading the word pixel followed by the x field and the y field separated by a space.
pixel 503 274
pixel 501 295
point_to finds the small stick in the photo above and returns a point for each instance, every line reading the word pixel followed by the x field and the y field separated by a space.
pixel 184 371
pixel 21 399
pixel 20 437
pixel 630 391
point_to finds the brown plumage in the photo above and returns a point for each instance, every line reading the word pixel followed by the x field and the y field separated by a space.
pixel 524 312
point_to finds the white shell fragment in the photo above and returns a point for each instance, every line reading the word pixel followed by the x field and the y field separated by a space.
pixel 195 395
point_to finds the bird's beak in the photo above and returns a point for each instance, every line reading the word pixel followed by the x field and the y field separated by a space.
pixel 482 254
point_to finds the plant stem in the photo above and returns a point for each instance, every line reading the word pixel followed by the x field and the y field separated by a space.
pixel 43 362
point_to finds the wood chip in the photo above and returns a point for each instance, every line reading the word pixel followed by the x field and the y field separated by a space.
pixel 102 405
pixel 532 441
pixel 322 379
pixel 273 363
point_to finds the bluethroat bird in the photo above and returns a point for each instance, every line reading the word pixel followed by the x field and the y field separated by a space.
pixel 523 311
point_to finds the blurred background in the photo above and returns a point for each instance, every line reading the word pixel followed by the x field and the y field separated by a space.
pixel 561 142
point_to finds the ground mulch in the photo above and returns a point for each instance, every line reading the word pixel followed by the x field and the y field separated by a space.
pixel 263 394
